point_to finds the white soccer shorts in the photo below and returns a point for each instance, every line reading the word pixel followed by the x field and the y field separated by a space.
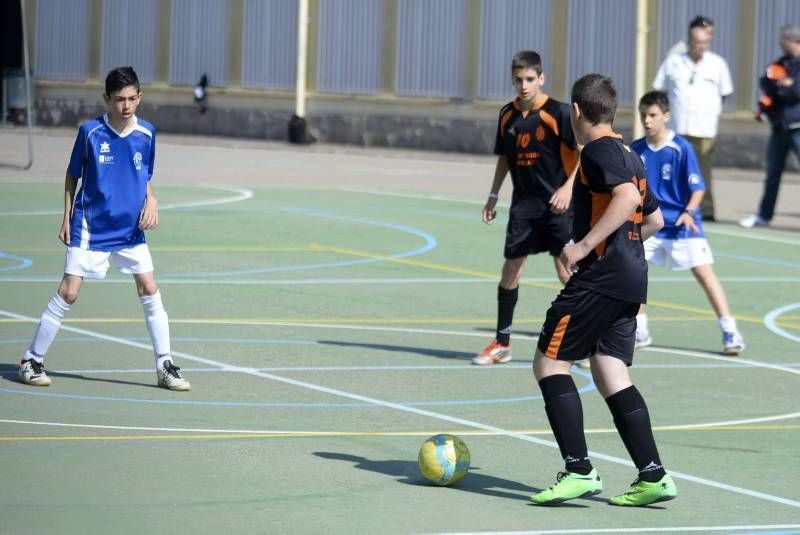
pixel 95 264
pixel 678 254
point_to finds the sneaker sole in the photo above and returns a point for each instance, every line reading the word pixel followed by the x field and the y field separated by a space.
pixel 37 384
pixel 176 388
pixel 490 361
pixel 657 500
pixel 733 351
pixel 557 501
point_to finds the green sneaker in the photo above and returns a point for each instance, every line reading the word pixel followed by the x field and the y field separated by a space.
pixel 643 493
pixel 569 486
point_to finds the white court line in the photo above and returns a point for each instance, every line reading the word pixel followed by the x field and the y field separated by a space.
pixel 635 530
pixel 750 235
pixel 242 194
pixel 699 355
pixel 419 412
pixel 771 317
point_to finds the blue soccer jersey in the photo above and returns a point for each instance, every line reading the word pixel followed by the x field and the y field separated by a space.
pixel 673 175
pixel 114 171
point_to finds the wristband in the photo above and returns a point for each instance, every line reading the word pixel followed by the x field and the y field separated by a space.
pixel 493 195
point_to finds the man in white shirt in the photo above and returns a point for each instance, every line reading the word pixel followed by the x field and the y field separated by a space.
pixel 697 81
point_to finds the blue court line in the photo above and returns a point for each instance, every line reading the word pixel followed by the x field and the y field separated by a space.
pixel 430 243
pixel 586 388
pixel 759 260
pixel 23 262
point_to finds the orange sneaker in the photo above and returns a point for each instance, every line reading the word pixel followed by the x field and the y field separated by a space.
pixel 494 353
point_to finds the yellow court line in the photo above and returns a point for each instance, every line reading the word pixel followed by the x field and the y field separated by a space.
pixel 338 434
pixel 451 269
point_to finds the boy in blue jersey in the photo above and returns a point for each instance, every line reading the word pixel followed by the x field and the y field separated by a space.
pixel 675 178
pixel 113 157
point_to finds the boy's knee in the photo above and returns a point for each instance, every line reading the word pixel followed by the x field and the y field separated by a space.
pixel 147 288
pixel 68 294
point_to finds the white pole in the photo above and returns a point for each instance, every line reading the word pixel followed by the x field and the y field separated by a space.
pixel 27 67
pixel 302 46
pixel 640 82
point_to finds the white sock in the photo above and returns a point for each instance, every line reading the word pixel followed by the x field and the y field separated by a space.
pixel 727 324
pixel 641 323
pixel 48 327
pixel 157 325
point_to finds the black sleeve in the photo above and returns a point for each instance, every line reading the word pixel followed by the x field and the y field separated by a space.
pixel 604 165
pixel 565 127
pixel 498 138
pixel 650 204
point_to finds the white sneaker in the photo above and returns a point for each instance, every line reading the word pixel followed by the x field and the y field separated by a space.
pixel 754 221
pixel 169 376
pixel 32 373
pixel 732 343
pixel 643 339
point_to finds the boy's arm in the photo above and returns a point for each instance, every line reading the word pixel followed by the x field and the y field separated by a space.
pixel 687 216
pixel 624 200
pixel 562 197
pixel 148 217
pixel 653 222
pixel 500 172
pixel 70 185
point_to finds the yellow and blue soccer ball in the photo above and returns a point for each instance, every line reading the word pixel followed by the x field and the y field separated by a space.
pixel 443 459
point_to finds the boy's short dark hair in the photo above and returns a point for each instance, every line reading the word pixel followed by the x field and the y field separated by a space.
pixel 657 98
pixel 119 78
pixel 596 96
pixel 526 59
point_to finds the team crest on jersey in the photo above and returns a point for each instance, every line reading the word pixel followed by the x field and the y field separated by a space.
pixel 666 172
pixel 104 147
pixel 694 179
pixel 137 161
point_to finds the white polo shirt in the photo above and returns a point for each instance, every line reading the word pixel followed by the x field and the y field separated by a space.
pixel 695 92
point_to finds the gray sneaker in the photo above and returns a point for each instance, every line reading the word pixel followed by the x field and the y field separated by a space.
pixel 169 377
pixel 32 373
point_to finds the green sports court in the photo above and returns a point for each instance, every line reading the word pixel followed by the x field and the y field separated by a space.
pixel 325 303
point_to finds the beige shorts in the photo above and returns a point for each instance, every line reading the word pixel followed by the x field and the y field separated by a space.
pixel 95 264
pixel 678 254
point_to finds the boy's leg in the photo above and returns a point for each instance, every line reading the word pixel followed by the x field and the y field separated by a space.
pixel 31 371
pixel 632 421
pixel 499 350
pixel 155 316
pixel 565 414
pixel 732 340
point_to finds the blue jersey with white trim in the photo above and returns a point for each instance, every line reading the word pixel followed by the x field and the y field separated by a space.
pixel 114 170
pixel 673 174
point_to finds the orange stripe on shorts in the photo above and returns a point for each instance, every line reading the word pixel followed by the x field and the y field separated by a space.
pixel 558 337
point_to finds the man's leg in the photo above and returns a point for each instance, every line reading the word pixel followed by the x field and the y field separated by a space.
pixel 704 150
pixel 777 150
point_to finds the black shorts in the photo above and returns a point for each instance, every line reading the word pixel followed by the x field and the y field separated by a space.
pixel 582 322
pixel 526 235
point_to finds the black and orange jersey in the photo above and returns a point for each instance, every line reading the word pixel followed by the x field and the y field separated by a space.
pixel 616 267
pixel 541 152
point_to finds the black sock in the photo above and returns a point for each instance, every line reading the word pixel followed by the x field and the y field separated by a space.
pixel 633 424
pixel 565 413
pixel 506 301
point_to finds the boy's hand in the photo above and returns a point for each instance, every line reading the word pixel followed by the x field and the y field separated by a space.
pixel 559 202
pixel 571 254
pixel 63 234
pixel 688 221
pixel 148 218
pixel 489 213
